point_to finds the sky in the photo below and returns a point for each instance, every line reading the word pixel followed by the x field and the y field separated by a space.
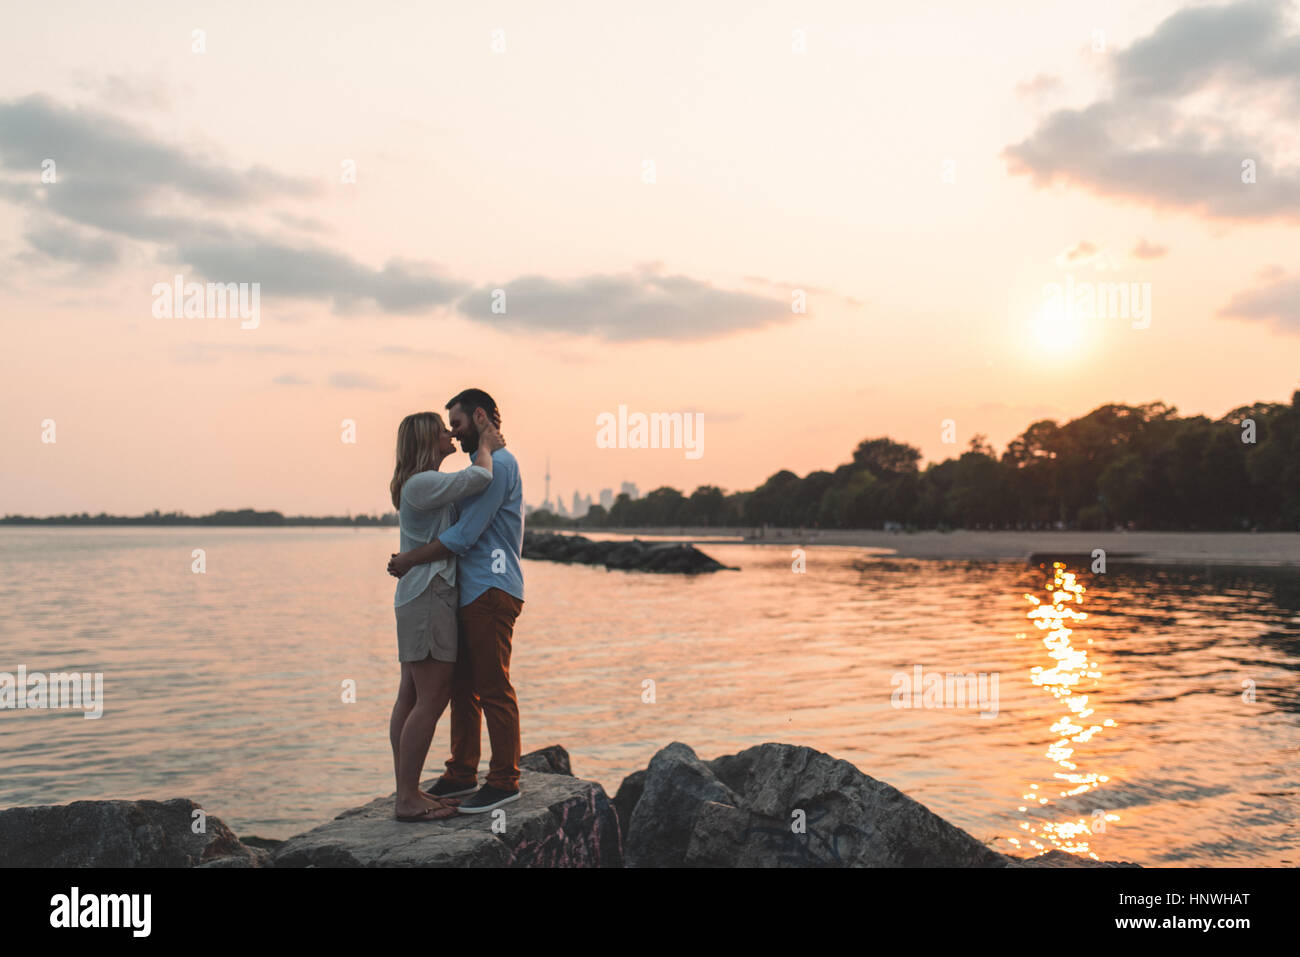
pixel 809 223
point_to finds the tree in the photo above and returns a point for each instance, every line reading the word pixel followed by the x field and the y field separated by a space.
pixel 884 457
pixel 707 506
pixel 1130 464
pixel 772 502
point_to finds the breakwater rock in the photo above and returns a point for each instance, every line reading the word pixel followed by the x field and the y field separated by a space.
pixel 781 805
pixel 772 805
pixel 558 821
pixel 121 834
pixel 636 555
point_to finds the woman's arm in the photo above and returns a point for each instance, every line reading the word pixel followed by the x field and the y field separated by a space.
pixel 433 489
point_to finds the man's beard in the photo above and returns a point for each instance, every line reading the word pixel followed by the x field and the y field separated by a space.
pixel 469 444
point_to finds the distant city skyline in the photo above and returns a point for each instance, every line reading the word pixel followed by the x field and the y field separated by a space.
pixel 581 502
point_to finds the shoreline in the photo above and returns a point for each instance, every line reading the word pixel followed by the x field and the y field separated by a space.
pixel 1228 549
pixel 1251 550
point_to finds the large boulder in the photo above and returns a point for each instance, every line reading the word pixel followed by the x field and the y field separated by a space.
pixel 559 821
pixel 781 805
pixel 120 834
pixel 676 785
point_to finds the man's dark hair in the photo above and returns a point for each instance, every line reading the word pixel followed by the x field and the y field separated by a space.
pixel 472 399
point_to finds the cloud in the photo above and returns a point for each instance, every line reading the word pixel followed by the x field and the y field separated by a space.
pixel 1146 250
pixel 787 288
pixel 1079 254
pixel 307 224
pixel 68 244
pixel 1243 43
pixel 632 306
pixel 129 186
pixel 1145 143
pixel 1277 302
pixel 115 176
pixel 311 271
pixel 289 378
pixel 357 380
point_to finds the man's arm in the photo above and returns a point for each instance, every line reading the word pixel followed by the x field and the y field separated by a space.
pixel 458 539
pixel 399 565
pixel 478 514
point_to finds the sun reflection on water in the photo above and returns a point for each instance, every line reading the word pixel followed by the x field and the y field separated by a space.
pixel 1064 681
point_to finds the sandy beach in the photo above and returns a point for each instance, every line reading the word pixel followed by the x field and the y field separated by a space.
pixel 1266 549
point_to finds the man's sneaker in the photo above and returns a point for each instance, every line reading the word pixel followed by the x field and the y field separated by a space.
pixel 442 788
pixel 485 799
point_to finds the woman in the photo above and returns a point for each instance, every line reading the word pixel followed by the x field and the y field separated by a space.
pixel 426 600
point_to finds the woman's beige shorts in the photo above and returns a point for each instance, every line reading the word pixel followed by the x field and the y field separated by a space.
pixel 427 625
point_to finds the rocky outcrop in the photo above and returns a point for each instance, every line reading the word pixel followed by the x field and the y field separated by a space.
pixel 772 805
pixel 559 821
pixel 636 555
pixel 780 805
pixel 120 834
pixel 549 760
pixel 677 785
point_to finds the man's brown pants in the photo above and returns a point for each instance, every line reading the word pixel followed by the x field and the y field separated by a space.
pixel 481 685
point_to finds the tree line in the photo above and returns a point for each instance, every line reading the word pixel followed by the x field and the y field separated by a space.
pixel 1139 467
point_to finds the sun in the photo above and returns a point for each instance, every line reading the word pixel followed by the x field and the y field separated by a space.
pixel 1057 332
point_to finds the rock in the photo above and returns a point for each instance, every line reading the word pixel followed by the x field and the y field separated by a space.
pixel 560 821
pixel 119 834
pixel 629 792
pixel 736 810
pixel 626 556
pixel 676 784
pixel 572 549
pixel 261 859
pixel 266 843
pixel 740 811
pixel 636 555
pixel 550 760
pixel 1062 859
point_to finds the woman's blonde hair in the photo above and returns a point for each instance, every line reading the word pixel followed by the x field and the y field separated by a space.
pixel 417 449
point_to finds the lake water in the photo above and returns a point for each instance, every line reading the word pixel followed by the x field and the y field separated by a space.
pixel 1163 728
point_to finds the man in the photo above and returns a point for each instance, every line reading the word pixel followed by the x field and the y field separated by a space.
pixel 488 539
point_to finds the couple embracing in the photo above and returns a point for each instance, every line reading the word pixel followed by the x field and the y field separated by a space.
pixel 460 588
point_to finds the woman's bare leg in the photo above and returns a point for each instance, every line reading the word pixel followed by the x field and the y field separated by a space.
pixel 401 708
pixel 432 681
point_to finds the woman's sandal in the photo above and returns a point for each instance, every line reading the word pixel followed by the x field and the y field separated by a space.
pixel 429 814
